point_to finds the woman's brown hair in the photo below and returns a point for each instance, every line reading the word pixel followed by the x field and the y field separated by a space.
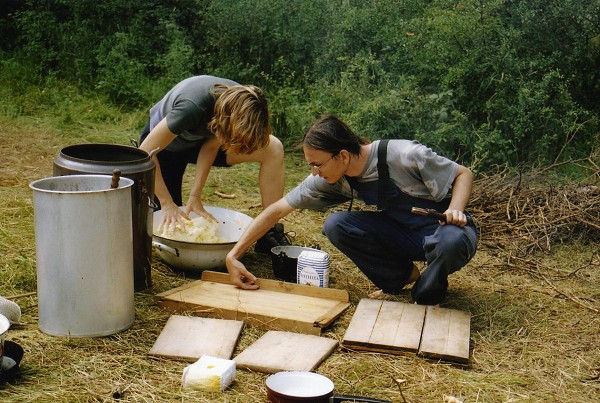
pixel 241 118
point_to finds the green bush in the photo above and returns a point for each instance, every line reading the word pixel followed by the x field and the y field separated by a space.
pixel 494 82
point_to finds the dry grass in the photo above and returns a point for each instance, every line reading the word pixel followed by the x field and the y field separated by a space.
pixel 534 329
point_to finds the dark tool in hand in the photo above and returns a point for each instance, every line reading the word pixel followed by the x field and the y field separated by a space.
pixel 435 214
pixel 429 212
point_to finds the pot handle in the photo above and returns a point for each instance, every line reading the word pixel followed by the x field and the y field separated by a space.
pixel 162 247
pixel 116 177
pixel 350 398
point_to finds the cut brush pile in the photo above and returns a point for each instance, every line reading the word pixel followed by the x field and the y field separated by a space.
pixel 522 214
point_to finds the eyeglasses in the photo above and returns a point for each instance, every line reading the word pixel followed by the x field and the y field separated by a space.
pixel 318 166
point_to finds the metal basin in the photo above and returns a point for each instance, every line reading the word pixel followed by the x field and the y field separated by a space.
pixel 192 256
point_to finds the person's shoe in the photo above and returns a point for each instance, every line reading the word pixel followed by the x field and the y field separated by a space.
pixel 431 287
pixel 274 237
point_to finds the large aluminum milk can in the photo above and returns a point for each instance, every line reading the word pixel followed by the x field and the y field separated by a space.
pixel 83 236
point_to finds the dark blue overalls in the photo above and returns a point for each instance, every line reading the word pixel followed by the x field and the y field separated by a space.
pixel 383 244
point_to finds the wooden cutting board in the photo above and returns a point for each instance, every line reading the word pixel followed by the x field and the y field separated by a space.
pixel 188 338
pixel 285 351
pixel 277 305
pixel 446 334
pixel 397 327
pixel 385 326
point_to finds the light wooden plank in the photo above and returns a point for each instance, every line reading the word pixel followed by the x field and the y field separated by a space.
pixel 188 338
pixel 329 316
pixel 285 351
pixel 283 286
pixel 272 323
pixel 396 327
pixel 408 336
pixel 386 326
pixel 175 290
pixel 261 302
pixel 252 319
pixel 362 323
pixel 399 326
pixel 446 334
pixel 283 305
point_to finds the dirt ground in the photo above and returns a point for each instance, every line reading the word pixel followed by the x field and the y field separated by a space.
pixel 534 319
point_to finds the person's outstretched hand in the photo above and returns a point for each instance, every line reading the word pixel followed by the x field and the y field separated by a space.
pixel 195 204
pixel 172 215
pixel 239 276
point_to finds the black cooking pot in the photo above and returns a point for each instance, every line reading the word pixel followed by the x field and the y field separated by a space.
pixel 285 261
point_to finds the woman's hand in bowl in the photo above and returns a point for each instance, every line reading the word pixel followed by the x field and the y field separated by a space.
pixel 195 205
pixel 172 216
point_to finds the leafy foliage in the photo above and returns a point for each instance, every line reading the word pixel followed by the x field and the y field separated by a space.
pixel 483 81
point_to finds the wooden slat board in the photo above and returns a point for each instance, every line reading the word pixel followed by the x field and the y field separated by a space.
pixel 385 326
pixel 285 351
pixel 276 305
pixel 188 338
pixel 446 334
pixel 396 327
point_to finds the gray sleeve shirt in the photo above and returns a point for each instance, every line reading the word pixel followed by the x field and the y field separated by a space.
pixel 188 108
pixel 414 168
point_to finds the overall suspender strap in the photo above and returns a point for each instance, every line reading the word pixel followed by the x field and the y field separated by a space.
pixel 384 174
pixel 352 194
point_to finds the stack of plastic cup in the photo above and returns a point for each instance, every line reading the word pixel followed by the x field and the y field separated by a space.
pixel 313 268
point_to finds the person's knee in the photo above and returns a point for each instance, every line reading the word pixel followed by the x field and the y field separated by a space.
pixel 333 225
pixel 451 244
pixel 450 238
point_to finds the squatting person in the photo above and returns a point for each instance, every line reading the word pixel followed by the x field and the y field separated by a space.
pixel 395 175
